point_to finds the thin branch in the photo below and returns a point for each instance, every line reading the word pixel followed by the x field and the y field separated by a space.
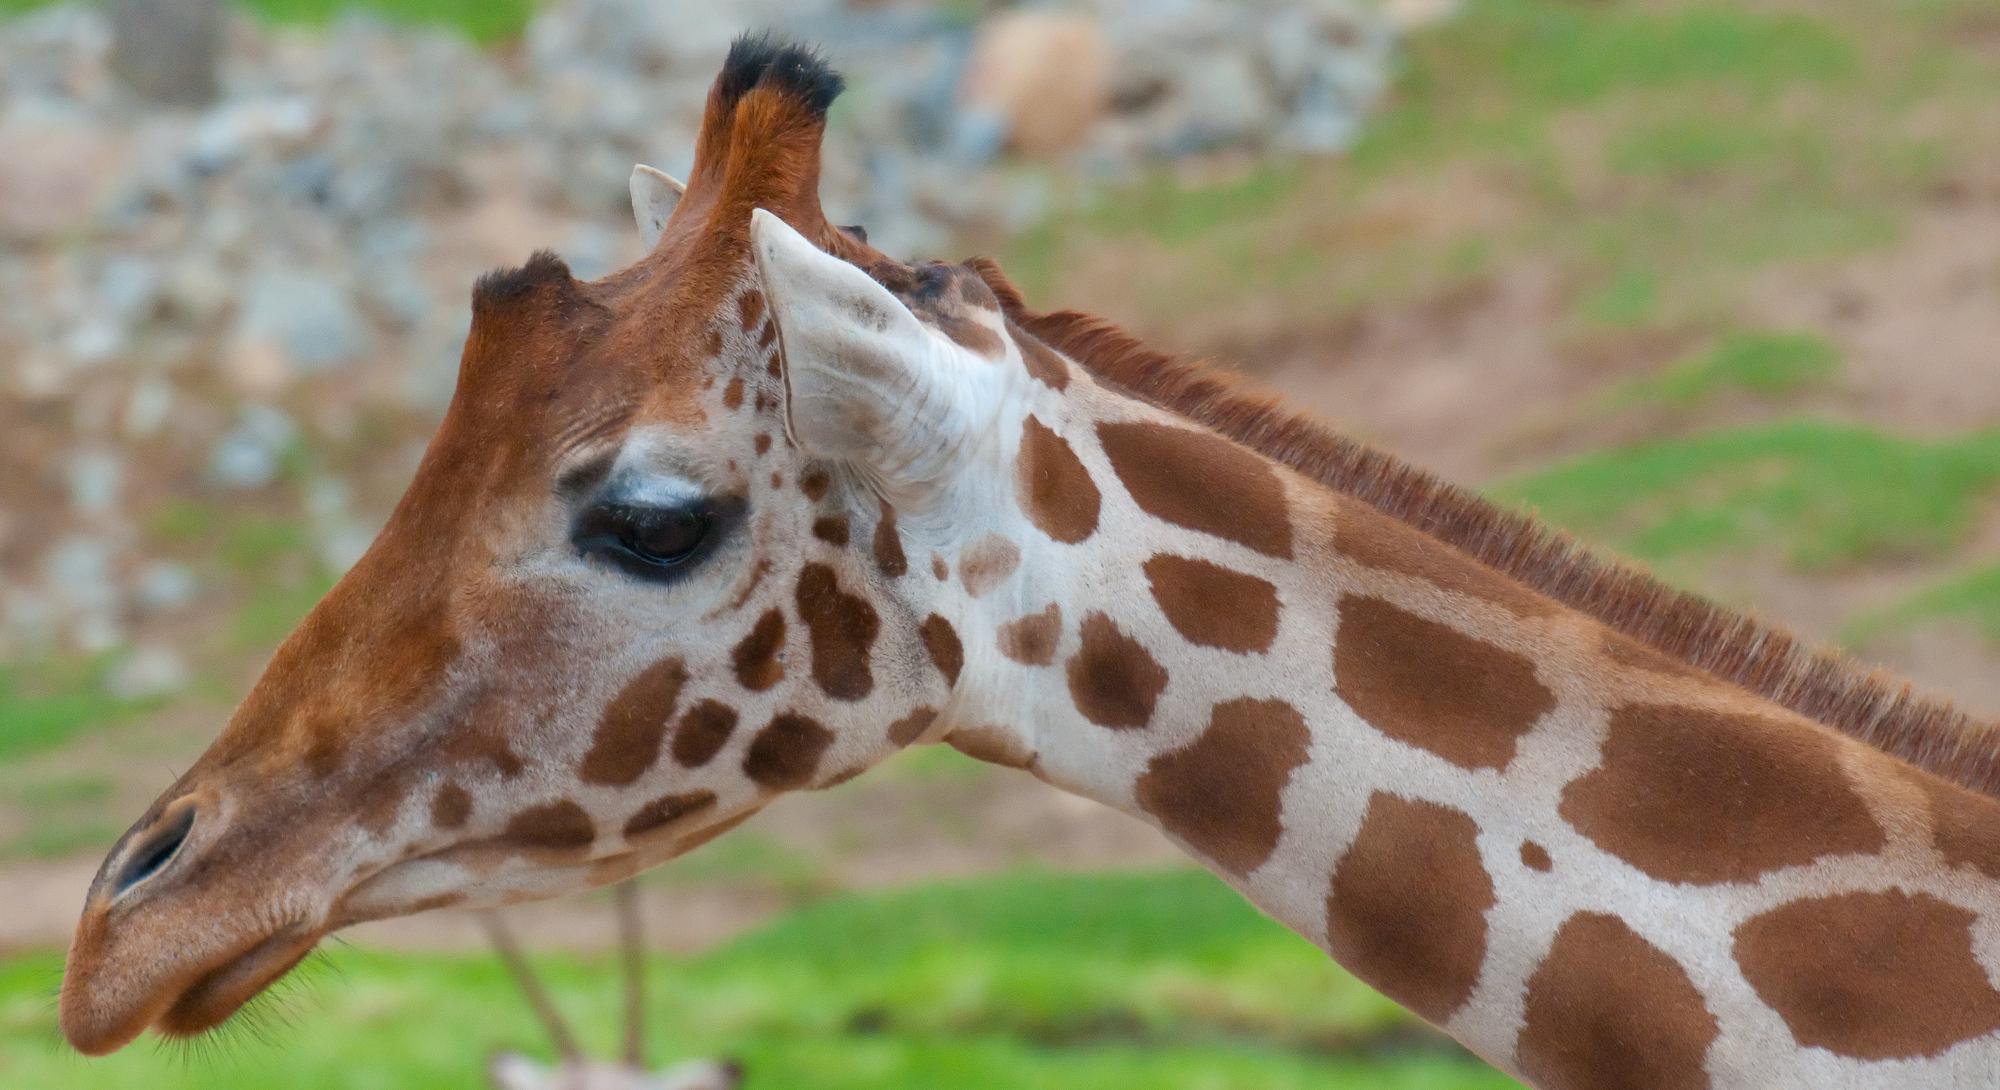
pixel 630 929
pixel 531 986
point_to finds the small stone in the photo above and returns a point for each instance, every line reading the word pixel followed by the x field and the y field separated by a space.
pixel 164 586
pixel 251 454
pixel 1046 73
pixel 95 477
pixel 148 406
pixel 146 673
pixel 77 573
pixel 309 318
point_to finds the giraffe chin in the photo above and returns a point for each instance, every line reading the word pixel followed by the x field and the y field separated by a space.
pixel 209 996
pixel 217 995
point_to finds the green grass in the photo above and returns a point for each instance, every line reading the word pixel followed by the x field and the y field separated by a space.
pixel 1657 156
pixel 1972 597
pixel 1761 364
pixel 1819 494
pixel 44 704
pixel 480 20
pixel 60 815
pixel 1160 981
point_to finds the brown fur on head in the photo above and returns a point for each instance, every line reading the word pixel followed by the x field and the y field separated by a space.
pixel 503 699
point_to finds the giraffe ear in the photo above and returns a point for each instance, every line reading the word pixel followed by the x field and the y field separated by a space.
pixel 866 383
pixel 654 195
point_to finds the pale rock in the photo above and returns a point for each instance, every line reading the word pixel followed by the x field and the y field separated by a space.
pixel 148 672
pixel 1046 74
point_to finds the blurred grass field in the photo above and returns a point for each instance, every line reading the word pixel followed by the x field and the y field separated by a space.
pixel 1157 981
pixel 1650 267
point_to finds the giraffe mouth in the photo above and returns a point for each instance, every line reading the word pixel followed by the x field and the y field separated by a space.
pixel 223 989
pixel 99 1016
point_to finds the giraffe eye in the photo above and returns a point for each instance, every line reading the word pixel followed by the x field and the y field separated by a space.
pixel 644 539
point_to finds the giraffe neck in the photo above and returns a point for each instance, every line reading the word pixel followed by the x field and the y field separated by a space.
pixel 1588 862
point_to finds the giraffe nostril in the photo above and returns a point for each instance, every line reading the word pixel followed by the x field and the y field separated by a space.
pixel 155 850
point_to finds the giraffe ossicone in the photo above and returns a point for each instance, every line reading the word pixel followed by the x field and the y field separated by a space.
pixel 760 510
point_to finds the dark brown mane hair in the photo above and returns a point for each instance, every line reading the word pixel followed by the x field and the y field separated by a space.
pixel 1820 684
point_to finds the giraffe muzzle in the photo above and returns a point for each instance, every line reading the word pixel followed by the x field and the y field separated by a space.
pixel 153 952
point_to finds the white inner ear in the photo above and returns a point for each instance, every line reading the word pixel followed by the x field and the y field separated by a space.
pixel 654 195
pixel 865 382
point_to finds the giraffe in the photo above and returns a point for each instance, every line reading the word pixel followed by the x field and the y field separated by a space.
pixel 766 507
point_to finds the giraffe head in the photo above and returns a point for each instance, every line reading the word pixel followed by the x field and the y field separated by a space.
pixel 669 554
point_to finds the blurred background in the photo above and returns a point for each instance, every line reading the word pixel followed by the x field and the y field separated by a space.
pixel 1714 283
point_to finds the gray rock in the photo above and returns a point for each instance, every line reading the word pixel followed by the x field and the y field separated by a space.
pixel 309 317
pixel 95 477
pixel 147 672
pixel 164 586
pixel 252 453
pixel 77 573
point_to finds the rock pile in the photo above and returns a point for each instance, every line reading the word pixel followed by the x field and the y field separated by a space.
pixel 258 304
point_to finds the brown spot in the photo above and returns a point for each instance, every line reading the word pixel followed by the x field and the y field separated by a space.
pixel 1607 1010
pixel 561 827
pixel 1688 795
pixel 381 802
pixel 1112 679
pixel 967 332
pixel 756 656
pixel 1201 481
pixel 991 744
pixel 889 545
pixel 628 737
pixel 1434 687
pixel 699 837
pixel 1213 606
pixel 1041 361
pixel 439 900
pixel 845 775
pixel 1407 907
pixel 665 811
pixel 484 745
pixel 843 630
pixel 1632 654
pixel 941 640
pixel 613 869
pixel 702 732
pixel 451 807
pixel 786 753
pixel 1875 976
pixel 911 727
pixel 766 337
pixel 831 529
pixel 814 482
pixel 1031 640
pixel 1221 793
pixel 1535 857
pixel 986 563
pixel 762 443
pixel 732 394
pixel 750 310
pixel 938 569
pixel 1965 826
pixel 1367 536
pixel 1053 487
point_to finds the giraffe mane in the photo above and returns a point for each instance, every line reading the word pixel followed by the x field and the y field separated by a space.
pixel 1820 683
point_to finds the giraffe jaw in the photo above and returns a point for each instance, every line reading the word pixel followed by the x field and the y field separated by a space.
pixel 102 1016
pixel 219 993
